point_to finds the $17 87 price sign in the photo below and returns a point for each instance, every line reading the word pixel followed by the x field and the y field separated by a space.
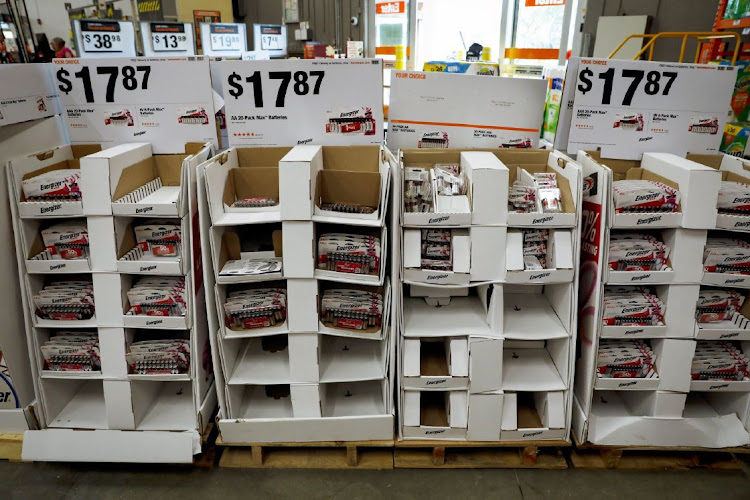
pixel 302 83
pixel 128 78
pixel 651 83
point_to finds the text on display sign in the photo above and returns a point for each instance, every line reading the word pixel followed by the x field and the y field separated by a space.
pixel 101 36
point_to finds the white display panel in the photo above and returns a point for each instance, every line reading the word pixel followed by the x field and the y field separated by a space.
pixel 121 100
pixel 27 93
pixel 224 39
pixel 291 102
pixel 104 38
pixel 167 39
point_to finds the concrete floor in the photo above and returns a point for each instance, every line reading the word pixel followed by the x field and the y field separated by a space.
pixel 104 482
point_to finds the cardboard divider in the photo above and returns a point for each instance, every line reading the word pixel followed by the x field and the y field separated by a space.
pixel 677 324
pixel 485 365
pixel 345 359
pixel 154 186
pixel 132 259
pixel 240 173
pixel 684 263
pixel 63 157
pixel 533 416
pixel 38 259
pixel 261 241
pixel 257 360
pixel 229 332
pixel 374 277
pixel 479 314
pixel 74 404
pixel 353 399
pixel 538 312
pixel 351 175
pixel 735 328
pixel 435 414
pixel 560 257
pixel 435 363
pixel 372 332
pixel 488 178
pixel 485 416
pixel 532 366
pixel 163 405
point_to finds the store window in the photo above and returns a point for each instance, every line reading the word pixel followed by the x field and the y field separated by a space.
pixel 537 28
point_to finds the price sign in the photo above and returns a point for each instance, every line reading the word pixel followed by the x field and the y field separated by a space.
pixel 223 39
pixel 271 38
pixel 117 100
pixel 96 38
pixel 627 108
pixel 161 38
pixel 293 102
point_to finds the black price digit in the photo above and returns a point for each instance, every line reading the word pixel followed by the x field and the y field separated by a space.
pixel 654 83
pixel 257 88
pixel 285 77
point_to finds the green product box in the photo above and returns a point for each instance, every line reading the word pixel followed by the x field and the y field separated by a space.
pixel 735 140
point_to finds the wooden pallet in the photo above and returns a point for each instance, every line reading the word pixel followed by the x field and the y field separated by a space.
pixel 591 456
pixel 480 454
pixel 10 447
pixel 315 455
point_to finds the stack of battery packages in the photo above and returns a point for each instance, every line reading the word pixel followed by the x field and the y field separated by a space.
pixel 301 292
pixel 109 277
pixel 671 324
pixel 487 239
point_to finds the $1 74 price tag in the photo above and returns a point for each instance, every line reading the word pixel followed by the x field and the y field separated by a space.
pixel 128 77
pixel 302 83
pixel 650 83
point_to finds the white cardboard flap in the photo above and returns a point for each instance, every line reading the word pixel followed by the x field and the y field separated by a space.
pixel 485 365
pixel 485 417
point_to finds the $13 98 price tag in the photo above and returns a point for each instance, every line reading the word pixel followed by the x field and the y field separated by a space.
pixel 302 83
pixel 638 82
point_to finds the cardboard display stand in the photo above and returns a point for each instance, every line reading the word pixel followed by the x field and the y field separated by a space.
pixel 665 408
pixel 487 354
pixel 170 410
pixel 301 379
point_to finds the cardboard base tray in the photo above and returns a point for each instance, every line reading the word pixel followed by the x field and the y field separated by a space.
pixel 313 455
pixel 424 454
pixel 592 456
pixel 10 447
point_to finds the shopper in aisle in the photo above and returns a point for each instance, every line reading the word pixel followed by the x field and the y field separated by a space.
pixel 44 52
pixel 61 51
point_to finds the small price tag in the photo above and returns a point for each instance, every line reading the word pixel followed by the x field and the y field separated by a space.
pixel 226 37
pixel 169 37
pixel 101 36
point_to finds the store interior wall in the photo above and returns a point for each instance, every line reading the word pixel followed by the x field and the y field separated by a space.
pixel 54 18
pixel 665 15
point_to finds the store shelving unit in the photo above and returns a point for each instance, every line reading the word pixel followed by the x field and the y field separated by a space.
pixel 128 417
pixel 667 409
pixel 301 380
pixel 486 353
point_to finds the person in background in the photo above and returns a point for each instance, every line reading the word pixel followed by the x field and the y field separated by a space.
pixel 5 56
pixel 44 53
pixel 61 51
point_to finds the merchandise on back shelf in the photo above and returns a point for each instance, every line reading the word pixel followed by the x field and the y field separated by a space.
pixel 737 9
pixel 437 250
pixel 67 240
pixel 159 357
pixel 55 185
pixel 632 306
pixel 726 255
pixel 644 196
pixel 72 352
pixel 349 253
pixel 625 359
pixel 719 361
pixel 421 184
pixel 734 142
pixel 636 252
pixel 159 238
pixel 255 308
pixel 65 301
pixel 158 296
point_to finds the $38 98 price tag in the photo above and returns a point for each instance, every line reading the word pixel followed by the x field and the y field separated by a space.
pixel 102 42
pixel 639 82
pixel 302 83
